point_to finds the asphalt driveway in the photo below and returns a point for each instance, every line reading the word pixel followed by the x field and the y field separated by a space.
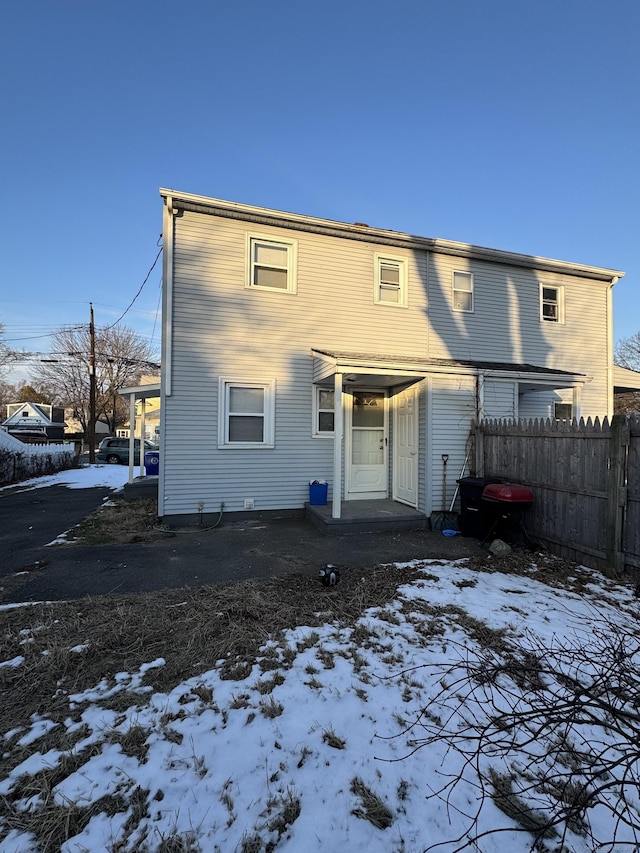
pixel 33 570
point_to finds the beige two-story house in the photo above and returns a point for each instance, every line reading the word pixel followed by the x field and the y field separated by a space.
pixel 298 349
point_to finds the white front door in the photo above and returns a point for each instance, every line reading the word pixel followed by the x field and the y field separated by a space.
pixel 367 446
pixel 405 446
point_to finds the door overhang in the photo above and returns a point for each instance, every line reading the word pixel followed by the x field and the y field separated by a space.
pixel 389 370
pixel 339 370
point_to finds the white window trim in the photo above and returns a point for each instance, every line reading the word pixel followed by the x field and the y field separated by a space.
pixel 559 289
pixel 471 290
pixel 403 288
pixel 563 403
pixel 269 386
pixel 292 262
pixel 316 432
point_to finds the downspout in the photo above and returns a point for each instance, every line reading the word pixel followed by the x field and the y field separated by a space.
pixel 167 296
pixel 166 370
pixel 338 422
pixel 614 280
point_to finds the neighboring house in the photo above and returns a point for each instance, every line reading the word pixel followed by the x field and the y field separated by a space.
pixel 626 389
pixel 625 381
pixel 297 348
pixel 151 418
pixel 75 430
pixel 35 422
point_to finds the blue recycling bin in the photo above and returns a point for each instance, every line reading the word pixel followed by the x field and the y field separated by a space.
pixel 152 463
pixel 318 490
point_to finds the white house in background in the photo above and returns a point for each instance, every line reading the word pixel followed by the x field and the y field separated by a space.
pixel 625 381
pixel 35 422
pixel 151 414
pixel 298 348
pixel 75 431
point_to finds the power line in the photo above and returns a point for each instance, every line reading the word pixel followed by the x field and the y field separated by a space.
pixel 146 279
pixel 47 335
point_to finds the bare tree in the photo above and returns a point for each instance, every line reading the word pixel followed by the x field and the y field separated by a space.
pixel 627 354
pixel 548 734
pixel 121 357
pixel 7 355
pixel 8 394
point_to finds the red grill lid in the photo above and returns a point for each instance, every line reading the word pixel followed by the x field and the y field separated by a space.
pixel 508 493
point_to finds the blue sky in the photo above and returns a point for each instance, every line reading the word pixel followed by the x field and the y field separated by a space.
pixel 512 124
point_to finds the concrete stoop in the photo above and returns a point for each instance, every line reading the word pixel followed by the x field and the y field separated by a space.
pixel 372 516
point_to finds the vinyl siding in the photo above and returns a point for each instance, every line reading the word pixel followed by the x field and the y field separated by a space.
pixel 505 324
pixel 222 328
pixel 499 399
pixel 452 410
pixel 538 404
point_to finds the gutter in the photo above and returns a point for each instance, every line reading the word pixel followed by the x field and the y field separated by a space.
pixel 364 233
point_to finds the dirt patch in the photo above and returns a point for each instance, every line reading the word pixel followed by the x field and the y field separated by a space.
pixel 119 521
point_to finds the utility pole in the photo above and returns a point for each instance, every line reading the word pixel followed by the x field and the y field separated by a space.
pixel 92 388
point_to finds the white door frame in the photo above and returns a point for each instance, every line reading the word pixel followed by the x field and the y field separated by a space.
pixel 411 454
pixel 351 495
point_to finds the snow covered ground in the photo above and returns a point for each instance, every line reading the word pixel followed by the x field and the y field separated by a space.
pixel 314 750
pixel 111 476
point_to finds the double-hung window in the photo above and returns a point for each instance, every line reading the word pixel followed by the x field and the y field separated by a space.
pixel 551 304
pixel 462 291
pixel 246 414
pixel 272 264
pixel 323 411
pixel 391 281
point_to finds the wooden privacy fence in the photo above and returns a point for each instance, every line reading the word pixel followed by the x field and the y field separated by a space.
pixel 585 478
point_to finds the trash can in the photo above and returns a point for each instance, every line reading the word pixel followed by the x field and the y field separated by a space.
pixel 152 463
pixel 475 517
pixel 506 505
pixel 318 490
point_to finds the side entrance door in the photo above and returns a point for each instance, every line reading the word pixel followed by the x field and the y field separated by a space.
pixel 405 446
pixel 366 446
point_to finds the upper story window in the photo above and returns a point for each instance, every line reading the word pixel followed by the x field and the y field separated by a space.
pixel 391 281
pixel 272 264
pixel 462 291
pixel 551 304
pixel 246 416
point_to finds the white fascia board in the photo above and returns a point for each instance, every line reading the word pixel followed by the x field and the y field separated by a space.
pixel 366 367
pixel 142 392
pixel 395 238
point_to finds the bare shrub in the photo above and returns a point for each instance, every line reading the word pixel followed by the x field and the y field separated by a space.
pixel 550 732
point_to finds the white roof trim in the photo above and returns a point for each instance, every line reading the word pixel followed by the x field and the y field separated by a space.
pixel 142 391
pixel 357 231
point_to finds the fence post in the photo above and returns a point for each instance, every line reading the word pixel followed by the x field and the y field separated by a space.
pixel 617 493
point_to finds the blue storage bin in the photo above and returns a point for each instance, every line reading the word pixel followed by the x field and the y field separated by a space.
pixel 152 463
pixel 318 490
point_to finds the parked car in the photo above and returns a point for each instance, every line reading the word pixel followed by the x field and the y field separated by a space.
pixel 116 451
